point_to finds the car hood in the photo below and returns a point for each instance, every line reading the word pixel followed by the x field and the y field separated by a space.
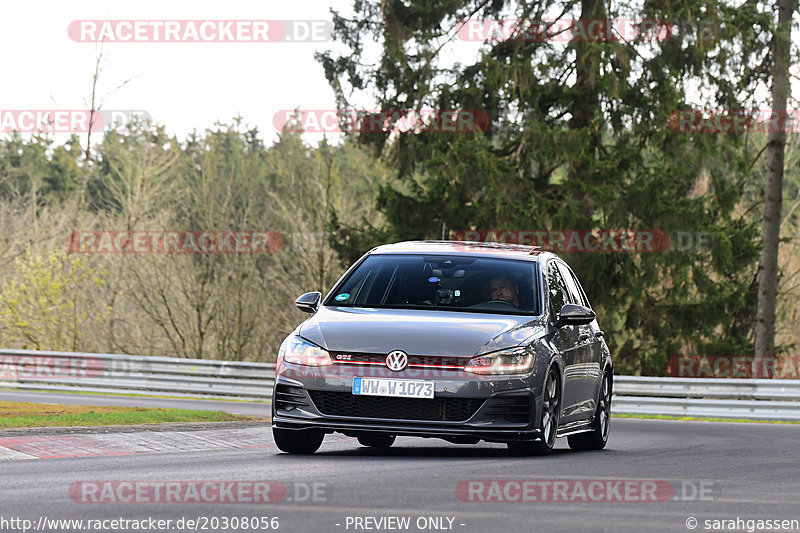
pixel 417 332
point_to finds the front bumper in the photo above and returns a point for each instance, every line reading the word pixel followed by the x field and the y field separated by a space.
pixel 491 408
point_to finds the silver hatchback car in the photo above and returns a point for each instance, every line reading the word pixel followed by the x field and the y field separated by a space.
pixel 456 340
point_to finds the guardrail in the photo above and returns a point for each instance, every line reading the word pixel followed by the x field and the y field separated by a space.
pixel 757 399
pixel 135 374
pixel 754 399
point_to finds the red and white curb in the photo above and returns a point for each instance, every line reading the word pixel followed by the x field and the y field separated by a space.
pixel 7 454
pixel 143 442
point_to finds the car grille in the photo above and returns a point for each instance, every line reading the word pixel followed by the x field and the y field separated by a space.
pixel 514 408
pixel 437 409
pixel 414 361
pixel 288 398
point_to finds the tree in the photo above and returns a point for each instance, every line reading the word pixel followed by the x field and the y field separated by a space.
pixel 773 193
pixel 48 304
pixel 578 140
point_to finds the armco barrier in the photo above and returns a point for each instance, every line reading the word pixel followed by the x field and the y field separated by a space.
pixel 754 399
pixel 135 374
pixel 757 399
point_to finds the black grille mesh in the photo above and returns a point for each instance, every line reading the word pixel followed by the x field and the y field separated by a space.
pixel 287 397
pixel 437 409
pixel 516 409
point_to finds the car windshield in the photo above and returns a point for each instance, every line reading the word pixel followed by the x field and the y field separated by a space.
pixel 454 283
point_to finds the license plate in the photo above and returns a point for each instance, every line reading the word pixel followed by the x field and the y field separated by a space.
pixel 403 388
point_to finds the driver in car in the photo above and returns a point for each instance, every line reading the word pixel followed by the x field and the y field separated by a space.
pixel 502 288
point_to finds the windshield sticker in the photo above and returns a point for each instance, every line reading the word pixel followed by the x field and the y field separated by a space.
pixel 342 297
pixel 433 279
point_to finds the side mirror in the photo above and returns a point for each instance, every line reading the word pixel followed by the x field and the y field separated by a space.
pixel 574 315
pixel 308 302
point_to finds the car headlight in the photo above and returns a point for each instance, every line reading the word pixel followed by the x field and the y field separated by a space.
pixel 513 361
pixel 301 352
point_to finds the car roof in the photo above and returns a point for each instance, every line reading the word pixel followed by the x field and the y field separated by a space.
pixel 464 248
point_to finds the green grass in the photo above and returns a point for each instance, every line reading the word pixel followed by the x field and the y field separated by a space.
pixel 702 418
pixel 17 415
pixel 133 394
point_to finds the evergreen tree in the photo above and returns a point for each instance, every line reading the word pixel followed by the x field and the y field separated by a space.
pixel 578 140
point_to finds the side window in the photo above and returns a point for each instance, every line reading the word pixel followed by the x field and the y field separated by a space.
pixel 556 290
pixel 575 291
pixel 580 289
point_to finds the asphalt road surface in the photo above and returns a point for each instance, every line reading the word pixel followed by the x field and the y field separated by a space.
pixel 686 473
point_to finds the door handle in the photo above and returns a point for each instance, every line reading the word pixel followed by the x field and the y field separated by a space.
pixel 584 337
pixel 599 333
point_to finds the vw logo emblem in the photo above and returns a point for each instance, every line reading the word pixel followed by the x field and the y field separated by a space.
pixel 397 360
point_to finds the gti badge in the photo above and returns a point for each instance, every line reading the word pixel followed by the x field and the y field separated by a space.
pixel 397 360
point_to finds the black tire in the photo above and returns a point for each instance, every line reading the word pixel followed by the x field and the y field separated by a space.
pixel 303 441
pixel 598 437
pixel 551 413
pixel 376 440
